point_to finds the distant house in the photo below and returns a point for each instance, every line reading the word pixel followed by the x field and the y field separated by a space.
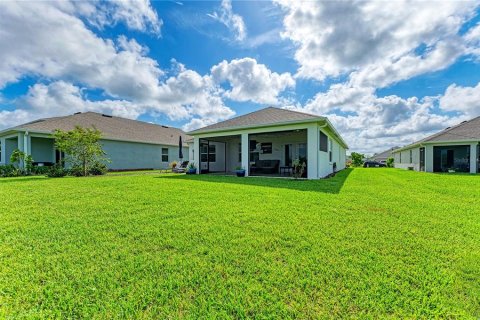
pixel 266 142
pixel 383 156
pixel 454 149
pixel 129 144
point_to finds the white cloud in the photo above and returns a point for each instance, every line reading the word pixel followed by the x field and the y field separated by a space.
pixel 57 45
pixel 371 124
pixel 251 81
pixel 232 21
pixel 135 14
pixel 462 99
pixel 190 95
pixel 62 98
pixel 379 40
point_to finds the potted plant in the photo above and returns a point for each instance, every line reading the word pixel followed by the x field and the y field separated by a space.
pixel 192 169
pixel 173 165
pixel 298 168
pixel 240 171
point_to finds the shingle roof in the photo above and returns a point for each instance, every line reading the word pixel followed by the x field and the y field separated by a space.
pixel 465 131
pixel 385 154
pixel 115 128
pixel 270 115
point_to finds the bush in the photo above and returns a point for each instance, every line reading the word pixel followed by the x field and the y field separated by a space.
pixel 56 171
pixel 98 169
pixel 40 170
pixel 76 171
pixel 7 171
pixel 390 163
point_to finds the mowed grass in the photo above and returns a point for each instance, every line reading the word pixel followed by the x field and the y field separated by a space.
pixel 368 243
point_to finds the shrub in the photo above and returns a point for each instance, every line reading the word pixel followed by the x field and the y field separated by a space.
pixel 98 169
pixel 7 171
pixel 56 171
pixel 40 170
pixel 76 171
pixel 390 162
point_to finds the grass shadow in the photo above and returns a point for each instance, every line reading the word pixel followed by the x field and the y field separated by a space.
pixel 330 185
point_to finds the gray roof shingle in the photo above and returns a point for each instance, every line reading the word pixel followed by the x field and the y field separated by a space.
pixel 115 128
pixel 269 115
pixel 384 155
pixel 465 131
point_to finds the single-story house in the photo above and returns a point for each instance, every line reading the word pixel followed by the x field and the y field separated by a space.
pixel 266 142
pixel 129 144
pixel 455 149
pixel 382 157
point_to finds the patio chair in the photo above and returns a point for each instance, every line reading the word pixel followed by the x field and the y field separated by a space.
pixel 182 168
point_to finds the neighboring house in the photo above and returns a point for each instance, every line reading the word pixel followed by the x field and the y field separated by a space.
pixel 129 144
pixel 266 142
pixel 383 156
pixel 453 149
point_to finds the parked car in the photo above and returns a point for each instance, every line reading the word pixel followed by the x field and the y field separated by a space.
pixel 373 164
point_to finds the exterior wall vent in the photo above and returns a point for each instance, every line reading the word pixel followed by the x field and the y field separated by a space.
pixel 107 116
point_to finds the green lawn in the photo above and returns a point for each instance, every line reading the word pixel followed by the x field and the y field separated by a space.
pixel 368 243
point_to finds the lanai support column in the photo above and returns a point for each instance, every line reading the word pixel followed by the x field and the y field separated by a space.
pixel 3 157
pixel 473 158
pixel 245 153
pixel 312 151
pixel 196 153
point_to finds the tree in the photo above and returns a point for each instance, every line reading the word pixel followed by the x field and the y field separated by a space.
pixel 81 146
pixel 390 162
pixel 20 158
pixel 357 159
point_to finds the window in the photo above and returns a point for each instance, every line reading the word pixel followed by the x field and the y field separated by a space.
pixel 400 157
pixel 239 152
pixel 411 156
pixel 330 144
pixel 212 153
pixel 204 152
pixel 164 154
pixel 207 153
pixel 0 151
pixel 323 142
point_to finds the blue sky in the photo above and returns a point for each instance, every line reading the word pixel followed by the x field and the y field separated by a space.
pixel 386 74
